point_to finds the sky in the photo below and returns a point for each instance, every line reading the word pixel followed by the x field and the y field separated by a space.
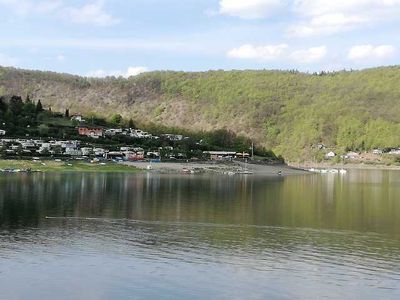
pixel 124 38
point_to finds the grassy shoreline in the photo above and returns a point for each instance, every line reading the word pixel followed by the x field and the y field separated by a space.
pixel 63 167
pixel 351 166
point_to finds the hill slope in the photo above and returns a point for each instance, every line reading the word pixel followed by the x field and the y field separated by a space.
pixel 286 111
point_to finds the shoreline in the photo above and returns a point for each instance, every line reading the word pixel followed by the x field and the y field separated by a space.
pixel 230 168
pixel 349 166
pixel 50 166
pixel 178 167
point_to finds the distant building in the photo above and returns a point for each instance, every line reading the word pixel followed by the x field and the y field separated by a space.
pixel 73 152
pixel 377 151
pixel 330 155
pixel 394 152
pixel 78 118
pixel 351 155
pixel 2 132
pixel 91 131
pixel 221 155
pixel 173 137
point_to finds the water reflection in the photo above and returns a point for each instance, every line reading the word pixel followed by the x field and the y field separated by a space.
pixel 200 236
pixel 362 201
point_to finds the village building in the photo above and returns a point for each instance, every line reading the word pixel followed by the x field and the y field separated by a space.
pixel 395 151
pixel 2 132
pixel 352 155
pixel 73 152
pixel 242 155
pixel 86 151
pixel 173 137
pixel 78 118
pixel 93 132
pixel 221 155
pixel 330 155
pixel 377 151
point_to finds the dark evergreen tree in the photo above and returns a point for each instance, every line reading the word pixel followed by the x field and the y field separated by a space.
pixel 67 113
pixel 131 124
pixel 39 107
pixel 16 105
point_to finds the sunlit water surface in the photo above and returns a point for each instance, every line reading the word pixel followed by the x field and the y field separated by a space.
pixel 118 236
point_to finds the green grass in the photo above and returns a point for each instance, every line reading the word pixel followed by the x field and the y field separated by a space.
pixel 53 166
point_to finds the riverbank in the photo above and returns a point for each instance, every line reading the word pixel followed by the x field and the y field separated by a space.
pixel 217 167
pixel 63 166
pixel 347 166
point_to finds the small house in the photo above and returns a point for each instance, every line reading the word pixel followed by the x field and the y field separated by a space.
pixel 377 152
pixel 330 155
pixel 93 132
pixel 77 118
pixel 221 155
pixel 352 155
pixel 2 132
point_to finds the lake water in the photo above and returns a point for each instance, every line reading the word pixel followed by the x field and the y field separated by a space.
pixel 147 236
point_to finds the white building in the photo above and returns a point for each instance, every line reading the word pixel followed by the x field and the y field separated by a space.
pixel 78 118
pixel 73 152
pixel 330 155
pixel 2 132
pixel 377 151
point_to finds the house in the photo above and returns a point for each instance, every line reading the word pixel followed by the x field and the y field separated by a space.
pixel 352 155
pixel 242 155
pixel 221 155
pixel 112 132
pixel 78 118
pixel 2 132
pixel 395 151
pixel 133 156
pixel 137 133
pixel 377 152
pixel 330 155
pixel 86 151
pixel 173 137
pixel 99 152
pixel 93 132
pixel 73 152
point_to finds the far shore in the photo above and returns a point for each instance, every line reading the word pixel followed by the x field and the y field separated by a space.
pixel 348 166
pixel 26 166
pixel 179 167
pixel 218 167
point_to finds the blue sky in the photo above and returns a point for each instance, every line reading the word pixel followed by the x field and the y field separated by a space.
pixel 119 37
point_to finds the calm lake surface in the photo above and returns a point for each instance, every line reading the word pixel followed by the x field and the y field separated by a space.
pixel 147 236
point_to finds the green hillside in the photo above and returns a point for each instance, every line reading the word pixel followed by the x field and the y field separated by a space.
pixel 288 112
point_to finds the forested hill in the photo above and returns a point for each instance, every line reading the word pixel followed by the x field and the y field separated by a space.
pixel 288 112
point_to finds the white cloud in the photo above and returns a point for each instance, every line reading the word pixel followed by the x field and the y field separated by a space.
pixel 131 71
pixel 279 52
pixel 248 51
pixel 92 13
pixel 363 52
pixel 327 24
pixel 329 17
pixel 60 57
pixel 310 55
pixel 7 61
pixel 249 9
